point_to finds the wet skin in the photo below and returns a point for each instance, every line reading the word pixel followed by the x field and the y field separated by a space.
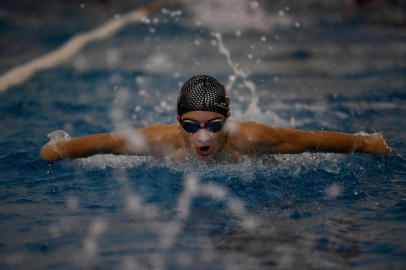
pixel 235 138
pixel 203 144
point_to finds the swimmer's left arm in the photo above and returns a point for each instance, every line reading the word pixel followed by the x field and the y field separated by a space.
pixel 275 140
pixel 297 141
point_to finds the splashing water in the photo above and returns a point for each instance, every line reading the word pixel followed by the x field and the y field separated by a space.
pixel 58 136
pixel 253 111
pixel 285 211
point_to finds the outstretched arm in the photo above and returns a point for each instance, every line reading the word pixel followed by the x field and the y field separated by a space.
pixel 274 140
pixel 154 140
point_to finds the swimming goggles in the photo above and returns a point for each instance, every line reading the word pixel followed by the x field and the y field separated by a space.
pixel 213 126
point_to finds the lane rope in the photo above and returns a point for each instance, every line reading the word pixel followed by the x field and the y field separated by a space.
pixel 23 72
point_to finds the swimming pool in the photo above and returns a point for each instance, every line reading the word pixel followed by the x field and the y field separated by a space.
pixel 312 68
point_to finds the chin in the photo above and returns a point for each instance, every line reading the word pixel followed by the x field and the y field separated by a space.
pixel 201 157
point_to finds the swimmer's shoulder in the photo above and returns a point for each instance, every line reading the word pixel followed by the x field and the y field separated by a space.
pixel 160 135
pixel 246 132
pixel 161 128
pixel 239 138
pixel 162 132
pixel 249 138
pixel 164 140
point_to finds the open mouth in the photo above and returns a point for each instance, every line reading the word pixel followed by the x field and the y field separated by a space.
pixel 204 150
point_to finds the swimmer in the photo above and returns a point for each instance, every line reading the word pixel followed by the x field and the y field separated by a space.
pixel 204 128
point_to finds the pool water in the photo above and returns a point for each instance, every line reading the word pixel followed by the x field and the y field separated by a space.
pixel 299 66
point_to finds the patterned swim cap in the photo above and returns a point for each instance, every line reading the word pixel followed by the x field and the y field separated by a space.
pixel 203 93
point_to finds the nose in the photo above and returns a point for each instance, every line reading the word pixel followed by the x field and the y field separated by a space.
pixel 203 135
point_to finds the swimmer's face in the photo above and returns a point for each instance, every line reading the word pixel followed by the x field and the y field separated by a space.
pixel 203 144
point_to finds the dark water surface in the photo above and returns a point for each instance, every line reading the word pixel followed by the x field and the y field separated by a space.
pixel 314 68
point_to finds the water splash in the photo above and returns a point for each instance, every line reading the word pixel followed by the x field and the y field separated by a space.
pixel 58 136
pixel 168 231
pixel 253 111
pixel 90 250
pixel 333 191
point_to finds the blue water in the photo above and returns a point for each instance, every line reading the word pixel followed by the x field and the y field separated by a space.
pixel 307 211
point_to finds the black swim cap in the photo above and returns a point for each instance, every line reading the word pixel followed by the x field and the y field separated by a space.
pixel 203 93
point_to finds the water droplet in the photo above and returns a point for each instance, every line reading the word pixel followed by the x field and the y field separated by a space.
pixel 58 136
pixel 80 62
pixel 176 13
pixel 113 57
pixel 254 4
pixel 333 191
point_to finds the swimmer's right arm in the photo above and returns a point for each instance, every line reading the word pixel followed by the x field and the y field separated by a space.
pixel 135 142
pixel 82 147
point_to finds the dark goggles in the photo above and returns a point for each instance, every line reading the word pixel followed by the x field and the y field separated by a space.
pixel 213 126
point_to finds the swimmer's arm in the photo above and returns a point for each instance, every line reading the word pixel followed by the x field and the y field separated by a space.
pixel 84 147
pixel 152 140
pixel 275 140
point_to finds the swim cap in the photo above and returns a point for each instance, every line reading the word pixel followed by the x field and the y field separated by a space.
pixel 203 93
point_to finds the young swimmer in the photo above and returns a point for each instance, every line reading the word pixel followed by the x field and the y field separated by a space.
pixel 204 128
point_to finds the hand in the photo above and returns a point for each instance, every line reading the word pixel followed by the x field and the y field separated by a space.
pixel 50 152
pixel 377 145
